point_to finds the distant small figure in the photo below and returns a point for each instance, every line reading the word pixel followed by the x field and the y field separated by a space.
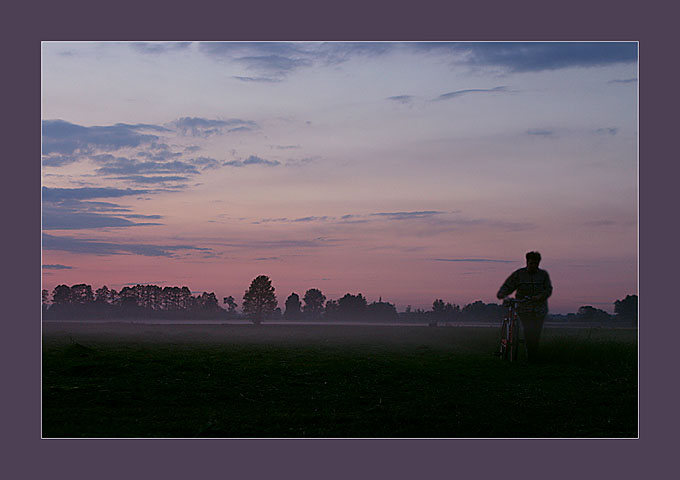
pixel 532 285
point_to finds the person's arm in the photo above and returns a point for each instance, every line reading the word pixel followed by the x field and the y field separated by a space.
pixel 508 287
pixel 548 286
pixel 547 290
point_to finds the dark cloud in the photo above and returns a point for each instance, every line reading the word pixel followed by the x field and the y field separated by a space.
pixel 273 65
pixel 148 126
pixel 66 220
pixel 296 220
pixel 126 166
pixel 56 267
pixel 407 215
pixel 205 127
pixel 149 180
pixel 233 163
pixel 459 93
pixel 252 160
pixel 403 99
pixel 535 56
pixel 59 194
pixel 473 260
pixel 257 79
pixel 357 218
pixel 229 50
pixel 607 131
pixel 89 206
pixel 312 219
pixel 274 61
pixel 439 221
pixel 152 171
pixel 339 52
pixel 627 80
pixel 150 217
pixel 66 209
pixel 59 160
pixel 96 247
pixel 270 220
pixel 432 221
pixel 205 163
pixel 162 156
pixel 64 138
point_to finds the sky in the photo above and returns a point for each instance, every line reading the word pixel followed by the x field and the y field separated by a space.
pixel 403 171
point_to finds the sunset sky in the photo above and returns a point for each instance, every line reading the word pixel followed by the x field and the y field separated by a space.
pixel 407 171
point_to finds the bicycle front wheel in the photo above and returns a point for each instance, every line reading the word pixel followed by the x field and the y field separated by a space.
pixel 513 347
pixel 505 340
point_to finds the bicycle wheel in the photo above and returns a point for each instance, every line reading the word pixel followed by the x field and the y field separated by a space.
pixel 505 339
pixel 514 341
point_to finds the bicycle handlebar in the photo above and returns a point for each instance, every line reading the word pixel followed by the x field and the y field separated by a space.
pixel 516 301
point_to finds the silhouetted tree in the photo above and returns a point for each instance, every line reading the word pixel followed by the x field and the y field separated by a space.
pixel 229 301
pixel 81 294
pixel 207 303
pixel 169 299
pixel 627 309
pixel 102 295
pixel 475 309
pixel 150 297
pixel 129 300
pixel 352 307
pixel 259 301
pixel 185 298
pixel 314 301
pixel 588 313
pixel 381 311
pixel 438 310
pixel 332 310
pixel 45 300
pixel 451 312
pixel 61 295
pixel 293 311
pixel 479 310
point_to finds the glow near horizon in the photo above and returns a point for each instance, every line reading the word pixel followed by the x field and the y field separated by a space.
pixel 541 159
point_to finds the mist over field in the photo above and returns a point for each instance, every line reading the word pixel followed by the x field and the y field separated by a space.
pixel 332 381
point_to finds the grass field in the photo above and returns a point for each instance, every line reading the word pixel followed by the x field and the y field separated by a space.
pixel 236 381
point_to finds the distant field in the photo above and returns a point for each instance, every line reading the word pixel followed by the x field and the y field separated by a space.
pixel 235 381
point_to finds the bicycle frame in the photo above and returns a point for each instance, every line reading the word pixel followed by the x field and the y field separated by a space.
pixel 509 347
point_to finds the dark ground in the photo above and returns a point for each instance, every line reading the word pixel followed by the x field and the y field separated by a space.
pixel 236 381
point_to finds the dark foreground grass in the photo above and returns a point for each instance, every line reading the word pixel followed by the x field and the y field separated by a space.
pixel 307 381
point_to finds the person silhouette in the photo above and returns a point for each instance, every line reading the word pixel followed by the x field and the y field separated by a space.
pixel 532 285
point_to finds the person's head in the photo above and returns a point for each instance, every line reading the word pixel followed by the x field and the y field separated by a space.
pixel 533 260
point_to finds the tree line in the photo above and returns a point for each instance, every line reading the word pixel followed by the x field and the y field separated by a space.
pixel 260 304
pixel 134 301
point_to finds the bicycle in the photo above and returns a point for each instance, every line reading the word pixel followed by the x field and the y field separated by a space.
pixel 509 347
